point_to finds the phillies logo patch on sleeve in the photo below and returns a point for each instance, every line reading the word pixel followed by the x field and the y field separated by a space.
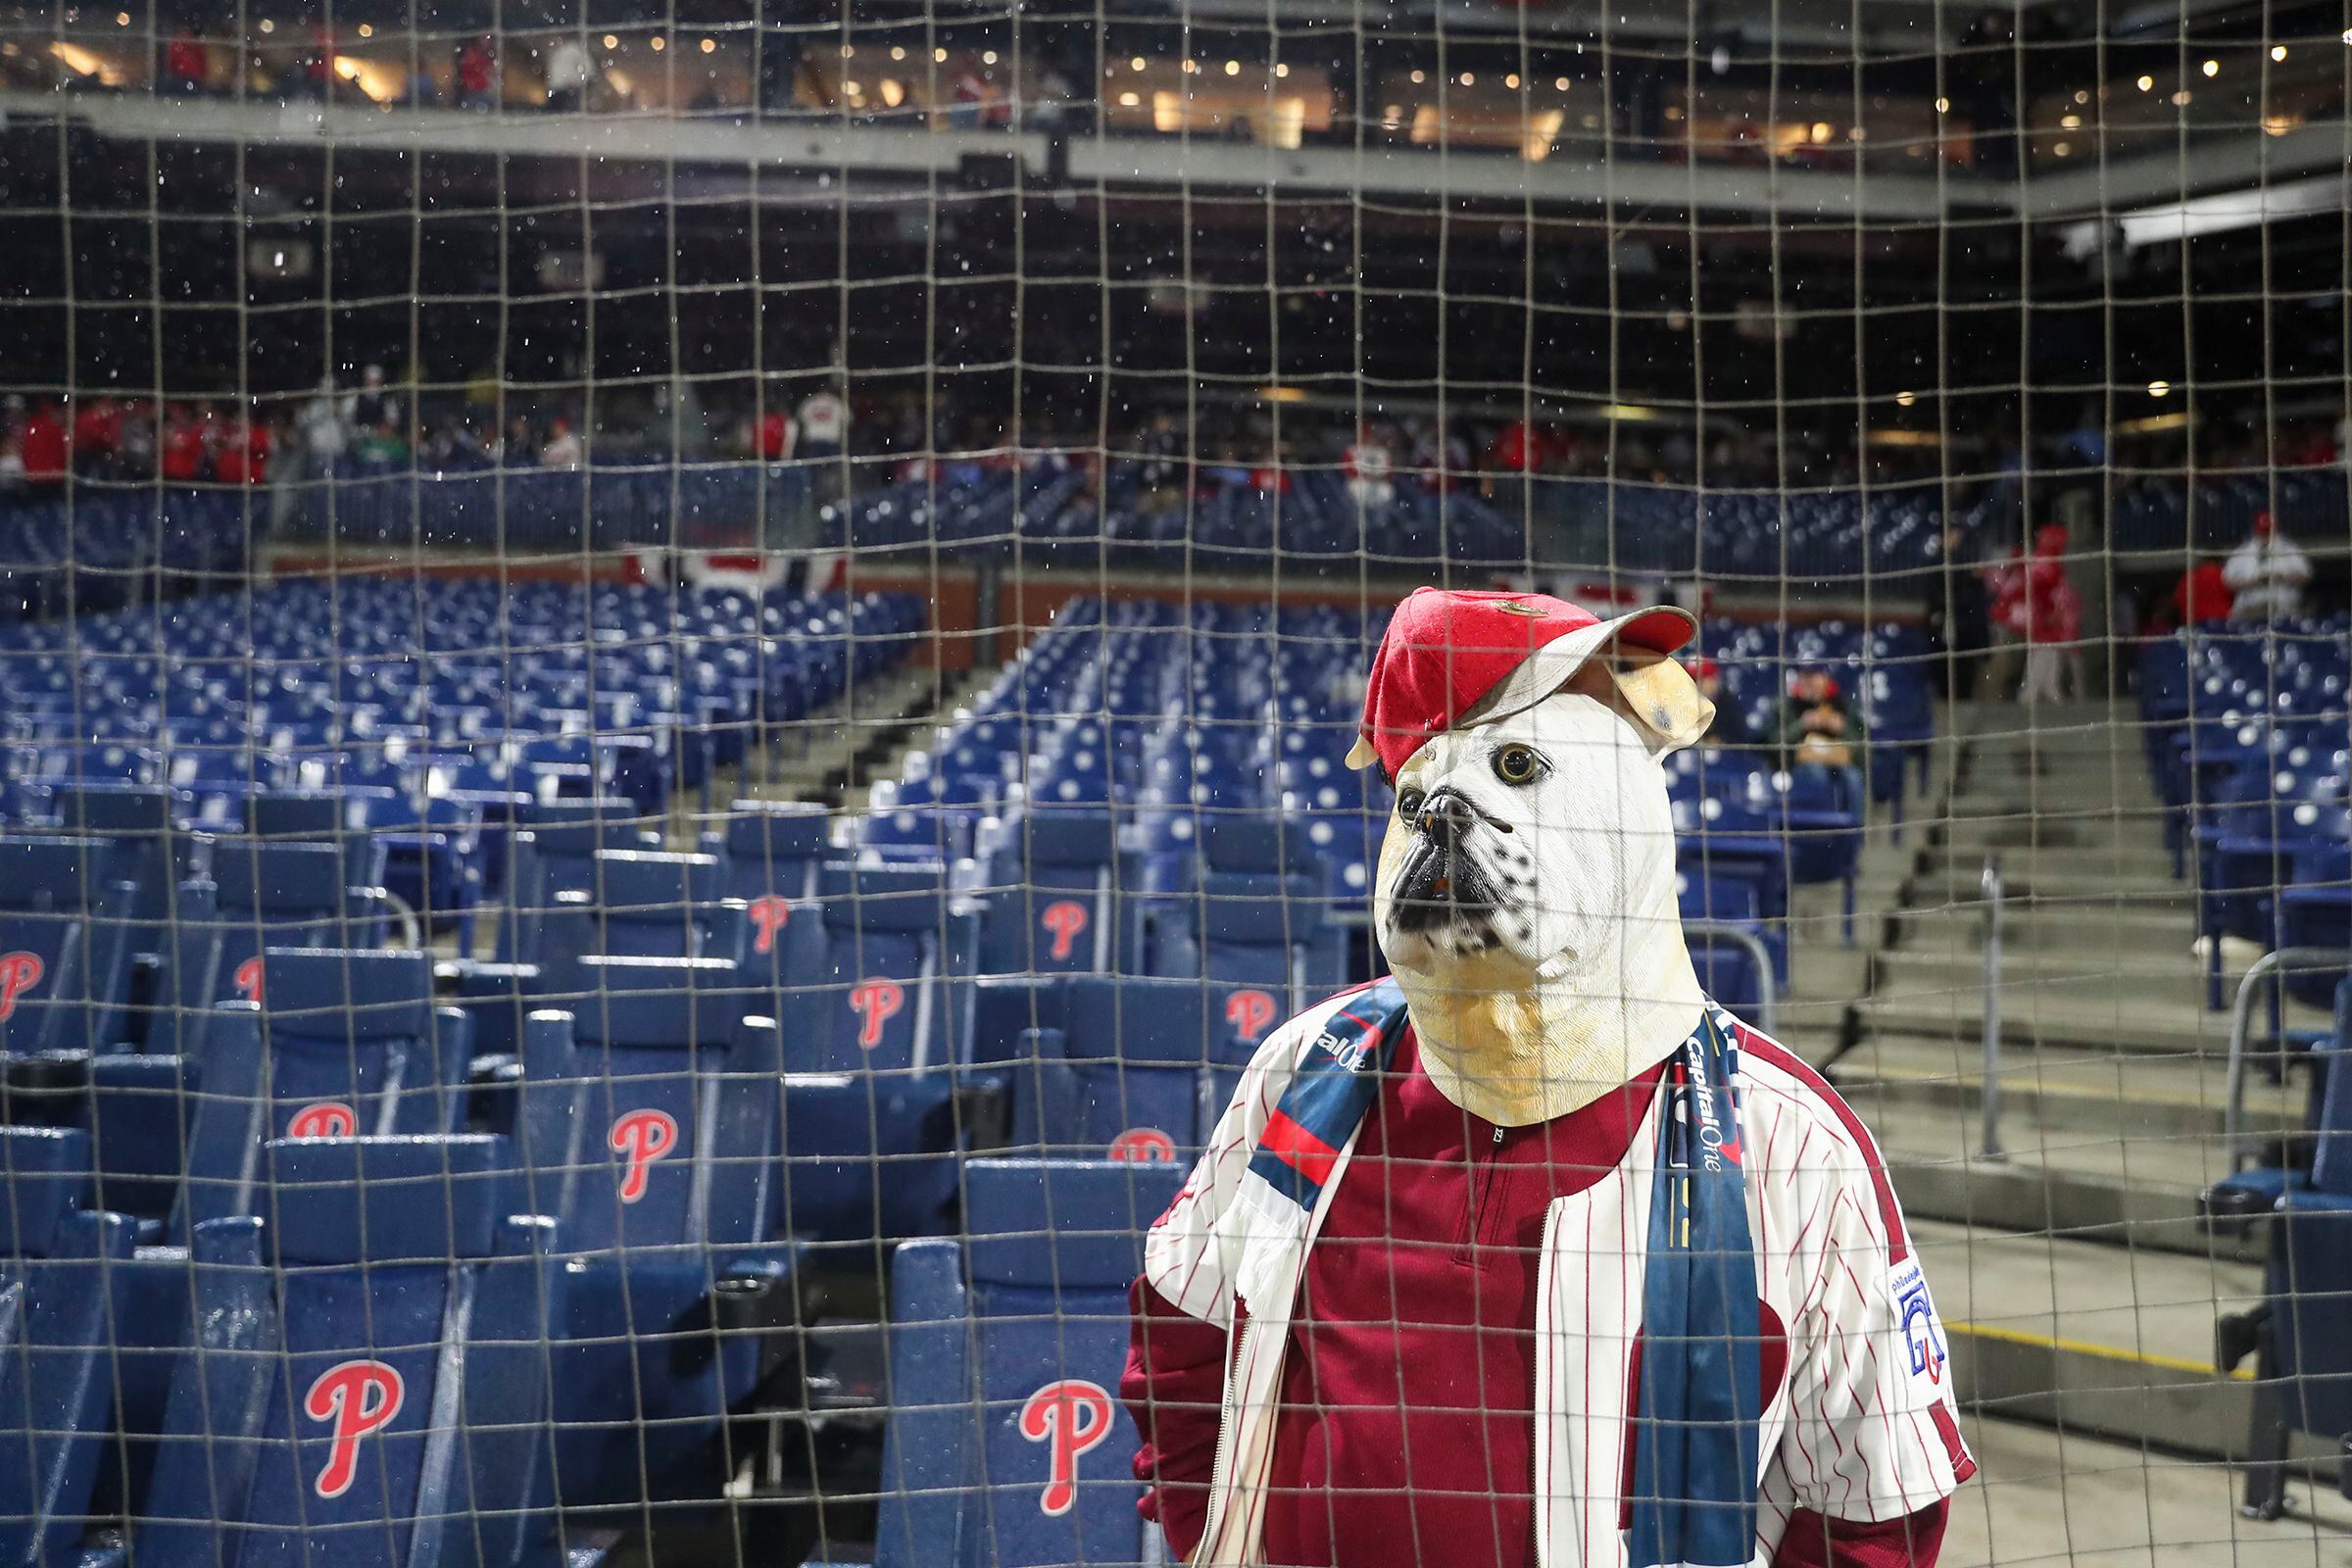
pixel 1071 1417
pixel 640 1138
pixel 876 1003
pixel 355 1399
pixel 1064 920
pixel 20 972
pixel 1915 1314
pixel 1251 1013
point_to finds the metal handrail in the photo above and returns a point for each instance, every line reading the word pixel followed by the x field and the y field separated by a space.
pixel 1988 1098
pixel 1768 998
pixel 2234 1113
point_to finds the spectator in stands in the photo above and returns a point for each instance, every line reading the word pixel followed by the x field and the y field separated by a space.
pixel 1370 466
pixel 2053 622
pixel 776 435
pixel 374 406
pixel 476 74
pixel 2201 594
pixel 98 438
pixel 11 466
pixel 181 446
pixel 46 447
pixel 244 457
pixel 824 420
pixel 186 66
pixel 562 449
pixel 2268 573
pixel 327 424
pixel 569 74
pixel 1818 726
pixel 1729 726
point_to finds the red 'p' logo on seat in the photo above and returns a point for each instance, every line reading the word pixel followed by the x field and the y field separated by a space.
pixel 1143 1146
pixel 1251 1013
pixel 876 1003
pixel 249 979
pixel 1071 1416
pixel 20 972
pixel 769 915
pixel 357 1397
pixel 326 1119
pixel 642 1137
pixel 1064 920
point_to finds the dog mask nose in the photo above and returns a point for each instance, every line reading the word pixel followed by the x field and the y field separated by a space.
pixel 1445 818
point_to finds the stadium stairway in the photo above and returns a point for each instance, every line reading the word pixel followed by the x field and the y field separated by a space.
pixel 2069 1268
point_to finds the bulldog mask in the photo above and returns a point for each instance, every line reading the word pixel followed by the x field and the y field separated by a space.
pixel 1525 892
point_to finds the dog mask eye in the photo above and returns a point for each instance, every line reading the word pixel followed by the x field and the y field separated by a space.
pixel 1518 765
pixel 1409 803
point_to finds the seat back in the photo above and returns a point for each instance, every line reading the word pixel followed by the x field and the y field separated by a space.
pixel 1141 1069
pixel 1006 1440
pixel 558 853
pixel 144 848
pixel 1256 928
pixel 882 1007
pixel 324 816
pixel 373 1389
pixel 1054 895
pixel 342 1044
pixel 639 903
pixel 65 951
pixel 61 1296
pixel 775 847
pixel 260 896
pixel 649 1115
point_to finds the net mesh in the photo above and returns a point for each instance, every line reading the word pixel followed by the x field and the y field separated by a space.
pixel 677 684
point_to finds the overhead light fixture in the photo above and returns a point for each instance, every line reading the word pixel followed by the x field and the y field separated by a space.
pixel 268 26
pixel 1904 400
pixel 2070 122
pixel 2063 149
pixel 898 51
pixel 1233 68
pixel 939 57
pixel 2152 423
pixel 1943 106
pixel 1469 78
pixel 1560 84
pixel 1511 82
pixel 849 51
pixel 1283 71
pixel 1137 64
pixel 710 46
pixel 2146 82
pixel 2180 99
pixel 2160 389
pixel 2278 51
pixel 611 41
pixel 988 56
pixel 1419 78
pixel 1282 394
pixel 1131 99
pixel 2081 95
pixel 2211 68
pixel 657 44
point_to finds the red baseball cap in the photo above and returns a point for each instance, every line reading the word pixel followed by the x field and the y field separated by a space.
pixel 1454 657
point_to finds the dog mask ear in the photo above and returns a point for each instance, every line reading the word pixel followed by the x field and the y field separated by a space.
pixel 1661 697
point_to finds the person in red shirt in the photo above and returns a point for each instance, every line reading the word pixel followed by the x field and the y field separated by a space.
pixel 244 458
pixel 182 447
pixel 2203 594
pixel 775 435
pixel 47 450
pixel 97 437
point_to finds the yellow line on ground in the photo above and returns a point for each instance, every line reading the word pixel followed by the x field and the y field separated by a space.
pixel 2111 1353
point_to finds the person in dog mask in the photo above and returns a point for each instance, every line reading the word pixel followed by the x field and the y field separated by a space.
pixel 1528 1253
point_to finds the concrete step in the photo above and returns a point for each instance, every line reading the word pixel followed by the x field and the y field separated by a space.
pixel 2024 829
pixel 2035 974
pixel 2092 1338
pixel 2035 1018
pixel 2063 1100
pixel 1953 920
pixel 2135 858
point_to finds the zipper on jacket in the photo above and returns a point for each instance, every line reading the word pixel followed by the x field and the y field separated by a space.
pixel 1219 1478
pixel 1542 1447
pixel 1484 1173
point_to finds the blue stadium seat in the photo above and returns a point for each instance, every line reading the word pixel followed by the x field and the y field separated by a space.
pixel 773 848
pixel 368 1384
pixel 1137 1069
pixel 1055 896
pixel 61 1293
pixel 1248 928
pixel 649 1130
pixel 260 896
pixel 1007 1445
pixel 65 963
pixel 640 904
pixel 340 1044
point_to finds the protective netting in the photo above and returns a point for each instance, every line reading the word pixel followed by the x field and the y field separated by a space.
pixel 678 685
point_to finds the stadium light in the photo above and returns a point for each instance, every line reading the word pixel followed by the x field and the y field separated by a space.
pixel 1418 78
pixel 1233 68
pixel 1560 83
pixel 1943 106
pixel 657 44
pixel 1137 64
pixel 2213 68
pixel 939 55
pixel 611 41
pixel 898 51
pixel 1904 400
pixel 710 46
pixel 1511 82
pixel 2278 51
pixel 2146 82
pixel 988 56
pixel 2160 389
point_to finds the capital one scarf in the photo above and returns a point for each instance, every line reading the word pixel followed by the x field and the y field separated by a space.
pixel 1694 1501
